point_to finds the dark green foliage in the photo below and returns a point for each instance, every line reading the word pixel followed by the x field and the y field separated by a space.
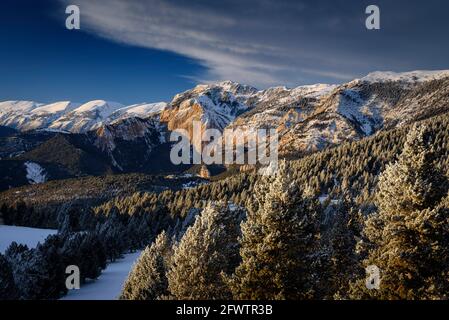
pixel 341 264
pixel 39 274
pixel 30 271
pixel 85 250
pixel 8 290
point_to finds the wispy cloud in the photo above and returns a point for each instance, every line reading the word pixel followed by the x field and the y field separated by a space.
pixel 259 42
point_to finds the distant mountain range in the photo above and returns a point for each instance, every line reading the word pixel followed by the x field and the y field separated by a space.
pixel 69 139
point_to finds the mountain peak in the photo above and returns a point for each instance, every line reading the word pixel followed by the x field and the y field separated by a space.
pixel 236 88
pixel 98 105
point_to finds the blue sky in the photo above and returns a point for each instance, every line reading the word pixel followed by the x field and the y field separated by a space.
pixel 146 51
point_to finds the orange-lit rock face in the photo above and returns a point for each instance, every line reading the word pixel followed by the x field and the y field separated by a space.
pixel 214 106
pixel 183 116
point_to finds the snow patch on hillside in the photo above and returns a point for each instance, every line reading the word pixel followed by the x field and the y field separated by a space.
pixel 35 173
pixel 363 112
pixel 192 184
pixel 54 130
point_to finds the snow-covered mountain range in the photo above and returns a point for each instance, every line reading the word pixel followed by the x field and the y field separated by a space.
pixel 69 116
pixel 307 118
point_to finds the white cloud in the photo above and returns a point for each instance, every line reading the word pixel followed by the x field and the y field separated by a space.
pixel 261 43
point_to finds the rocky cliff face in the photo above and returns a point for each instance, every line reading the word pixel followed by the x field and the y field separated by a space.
pixel 214 106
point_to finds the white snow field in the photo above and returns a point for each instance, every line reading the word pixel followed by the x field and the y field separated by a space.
pixel 22 235
pixel 109 284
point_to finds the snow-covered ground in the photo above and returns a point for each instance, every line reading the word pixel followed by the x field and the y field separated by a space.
pixel 109 285
pixel 29 236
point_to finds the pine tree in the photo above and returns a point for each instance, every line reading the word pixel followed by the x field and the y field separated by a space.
pixel 86 251
pixel 50 252
pixel 147 280
pixel 206 254
pixel 8 290
pixel 113 235
pixel 280 238
pixel 413 181
pixel 342 265
pixel 30 271
pixel 408 239
pixel 92 256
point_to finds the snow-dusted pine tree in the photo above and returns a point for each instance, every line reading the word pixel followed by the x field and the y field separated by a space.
pixel 8 290
pixel 342 264
pixel 206 254
pixel 30 271
pixel 408 239
pixel 279 240
pixel 113 235
pixel 147 280
pixel 412 182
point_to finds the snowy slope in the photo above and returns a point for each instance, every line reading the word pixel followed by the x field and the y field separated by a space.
pixel 35 173
pixel 109 285
pixel 14 113
pixel 406 77
pixel 14 106
pixel 142 110
pixel 365 113
pixel 56 107
pixel 310 118
pixel 87 117
pixel 28 115
pixel 313 91
pixel 22 235
pixel 101 108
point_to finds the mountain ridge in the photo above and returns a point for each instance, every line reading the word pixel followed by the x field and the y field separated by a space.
pixel 216 105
